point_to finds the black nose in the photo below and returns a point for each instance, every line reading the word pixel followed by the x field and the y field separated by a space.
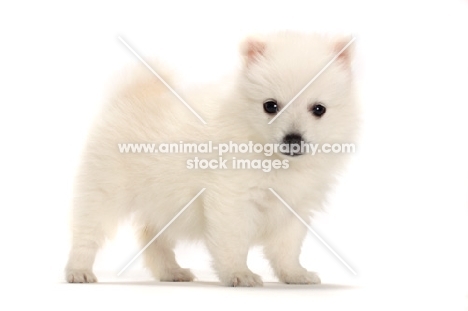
pixel 292 145
pixel 292 139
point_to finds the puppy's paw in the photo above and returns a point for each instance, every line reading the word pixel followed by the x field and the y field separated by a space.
pixel 243 279
pixel 177 275
pixel 80 276
pixel 303 277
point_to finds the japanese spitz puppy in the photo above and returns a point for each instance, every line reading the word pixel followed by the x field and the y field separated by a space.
pixel 237 209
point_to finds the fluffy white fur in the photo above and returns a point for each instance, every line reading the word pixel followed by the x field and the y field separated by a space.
pixel 237 210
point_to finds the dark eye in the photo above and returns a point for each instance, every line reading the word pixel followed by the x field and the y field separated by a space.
pixel 318 110
pixel 270 106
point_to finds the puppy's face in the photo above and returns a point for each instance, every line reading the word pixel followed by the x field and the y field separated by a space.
pixel 277 69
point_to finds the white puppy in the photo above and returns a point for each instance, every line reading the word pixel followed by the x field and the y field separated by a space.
pixel 237 209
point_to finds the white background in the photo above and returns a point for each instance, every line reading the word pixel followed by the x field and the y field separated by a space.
pixel 398 217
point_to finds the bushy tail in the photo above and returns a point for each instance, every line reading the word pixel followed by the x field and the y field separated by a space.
pixel 143 79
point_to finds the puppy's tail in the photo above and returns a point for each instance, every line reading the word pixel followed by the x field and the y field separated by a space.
pixel 143 81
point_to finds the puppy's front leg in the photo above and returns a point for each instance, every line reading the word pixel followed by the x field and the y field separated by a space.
pixel 230 226
pixel 283 247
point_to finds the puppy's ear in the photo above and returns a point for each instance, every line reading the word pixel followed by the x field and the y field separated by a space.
pixel 252 49
pixel 347 55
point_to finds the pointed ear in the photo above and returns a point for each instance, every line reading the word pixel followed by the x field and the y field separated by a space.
pixel 347 55
pixel 252 49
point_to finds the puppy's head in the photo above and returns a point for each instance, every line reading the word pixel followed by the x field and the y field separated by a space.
pixel 284 78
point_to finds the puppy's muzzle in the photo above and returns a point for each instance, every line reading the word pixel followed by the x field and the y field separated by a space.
pixel 292 145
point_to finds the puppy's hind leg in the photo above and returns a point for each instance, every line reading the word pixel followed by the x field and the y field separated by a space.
pixel 160 259
pixel 95 219
pixel 81 259
pixel 88 236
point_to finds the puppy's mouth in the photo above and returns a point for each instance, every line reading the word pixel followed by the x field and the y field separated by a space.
pixel 290 150
pixel 292 155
